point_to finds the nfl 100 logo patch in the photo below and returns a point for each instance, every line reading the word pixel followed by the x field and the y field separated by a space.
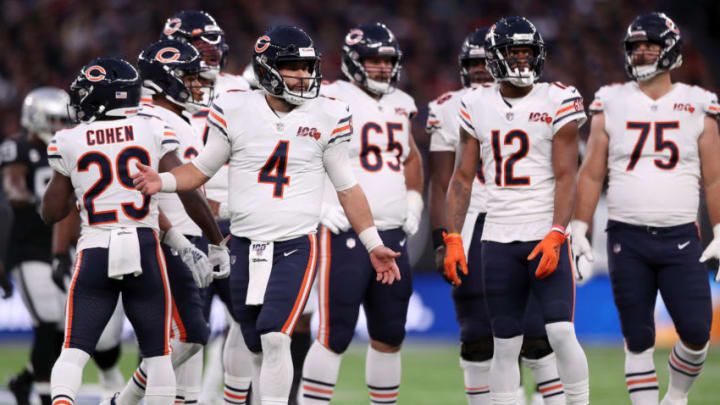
pixel 259 248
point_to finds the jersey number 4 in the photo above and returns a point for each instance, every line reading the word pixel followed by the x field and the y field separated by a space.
pixel 106 178
pixel 504 170
pixel 273 172
pixel 660 143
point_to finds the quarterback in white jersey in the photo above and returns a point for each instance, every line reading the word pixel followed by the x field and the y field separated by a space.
pixel 281 142
pixel 387 165
pixel 468 297
pixel 656 141
pixel 119 250
pixel 531 129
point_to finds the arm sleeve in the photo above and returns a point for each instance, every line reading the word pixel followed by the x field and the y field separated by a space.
pixel 337 166
pixel 215 154
pixel 57 159
pixel 570 108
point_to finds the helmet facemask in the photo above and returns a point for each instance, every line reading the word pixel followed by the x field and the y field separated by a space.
pixel 661 64
pixel 363 74
pixel 306 88
pixel 501 62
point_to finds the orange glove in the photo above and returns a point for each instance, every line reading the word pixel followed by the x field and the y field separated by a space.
pixel 550 248
pixel 454 257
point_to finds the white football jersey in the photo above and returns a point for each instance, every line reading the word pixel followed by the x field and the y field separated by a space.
pixel 216 188
pixel 189 147
pixel 98 158
pixel 520 181
pixel 276 172
pixel 378 148
pixel 444 130
pixel 653 159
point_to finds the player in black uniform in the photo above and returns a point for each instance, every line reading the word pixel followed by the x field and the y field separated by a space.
pixel 26 173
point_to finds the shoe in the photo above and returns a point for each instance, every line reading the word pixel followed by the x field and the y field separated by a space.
pixel 20 386
pixel 110 401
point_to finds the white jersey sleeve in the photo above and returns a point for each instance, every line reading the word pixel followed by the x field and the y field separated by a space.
pixel 59 161
pixel 441 137
pixel 218 145
pixel 335 154
pixel 570 106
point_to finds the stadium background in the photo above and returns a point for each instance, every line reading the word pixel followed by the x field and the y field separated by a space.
pixel 45 42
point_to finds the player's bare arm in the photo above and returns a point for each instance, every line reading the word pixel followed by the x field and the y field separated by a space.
pixel 194 202
pixel 709 149
pixel 414 178
pixel 564 158
pixel 187 177
pixel 57 200
pixel 458 195
pixel 65 233
pixel 441 169
pixel 458 199
pixel 14 184
pixel 593 170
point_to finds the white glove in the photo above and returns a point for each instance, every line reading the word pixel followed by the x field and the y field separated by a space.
pixel 333 218
pixel 712 251
pixel 582 251
pixel 194 258
pixel 220 259
pixel 415 207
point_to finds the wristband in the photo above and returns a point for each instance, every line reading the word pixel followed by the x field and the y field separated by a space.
pixel 558 228
pixel 716 231
pixel 370 238
pixel 437 237
pixel 169 183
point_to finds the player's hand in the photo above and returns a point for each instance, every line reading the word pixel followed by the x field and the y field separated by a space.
pixel 550 249
pixel 454 258
pixel 220 258
pixel 5 283
pixel 414 212
pixel 146 180
pixel 712 251
pixel 582 251
pixel 333 218
pixel 61 270
pixel 383 261
pixel 195 260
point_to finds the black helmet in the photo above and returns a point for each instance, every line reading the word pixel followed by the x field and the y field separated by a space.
pixel 373 39
pixel 163 67
pixel 507 33
pixel 472 48
pixel 202 31
pixel 104 87
pixel 659 29
pixel 286 44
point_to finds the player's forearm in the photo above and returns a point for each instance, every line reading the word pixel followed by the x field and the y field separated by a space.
pixel 65 233
pixel 414 172
pixel 356 207
pixel 199 211
pixel 458 200
pixel 188 177
pixel 441 168
pixel 565 197
pixel 588 194
pixel 712 199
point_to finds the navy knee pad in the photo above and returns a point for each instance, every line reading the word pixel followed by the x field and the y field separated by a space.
pixel 480 350
pixel 340 340
pixel 640 338
pixel 693 331
pixel 391 334
pixel 535 349
pixel 505 327
pixel 107 359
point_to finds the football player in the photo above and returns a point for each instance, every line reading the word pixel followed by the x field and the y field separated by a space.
pixel 118 250
pixel 280 143
pixel 6 221
pixel 171 69
pixel 475 332
pixel 655 140
pixel 387 164
pixel 529 130
pixel 201 30
pixel 26 173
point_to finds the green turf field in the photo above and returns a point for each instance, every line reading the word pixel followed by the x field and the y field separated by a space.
pixel 431 375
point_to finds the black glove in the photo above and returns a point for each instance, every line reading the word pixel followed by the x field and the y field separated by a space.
pixel 61 268
pixel 5 283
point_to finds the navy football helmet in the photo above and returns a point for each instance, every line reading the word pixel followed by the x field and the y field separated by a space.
pixel 514 32
pixel 105 87
pixel 373 39
pixel 473 48
pixel 163 67
pixel 286 44
pixel 202 31
pixel 659 29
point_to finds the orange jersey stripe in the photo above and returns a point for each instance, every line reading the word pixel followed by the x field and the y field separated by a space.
pixel 168 133
pixel 166 288
pixel 62 402
pixel 220 120
pixel 573 270
pixel 178 321
pixel 433 122
pixel 644 380
pixel 464 114
pixel 326 285
pixel 341 129
pixel 562 110
pixel 713 108
pixel 52 149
